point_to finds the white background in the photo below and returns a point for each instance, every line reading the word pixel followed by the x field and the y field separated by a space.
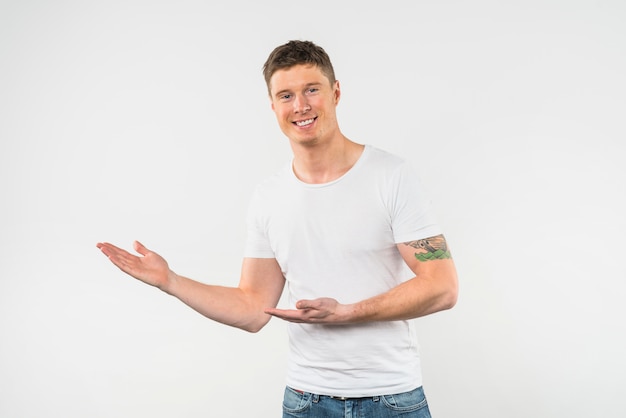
pixel 149 120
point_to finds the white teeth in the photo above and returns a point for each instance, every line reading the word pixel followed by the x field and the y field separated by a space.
pixel 304 122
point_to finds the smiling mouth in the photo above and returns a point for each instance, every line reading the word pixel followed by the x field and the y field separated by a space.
pixel 305 122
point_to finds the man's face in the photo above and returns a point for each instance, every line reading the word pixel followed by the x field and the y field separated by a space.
pixel 304 102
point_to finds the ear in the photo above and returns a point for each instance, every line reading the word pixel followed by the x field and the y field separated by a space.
pixel 269 96
pixel 337 92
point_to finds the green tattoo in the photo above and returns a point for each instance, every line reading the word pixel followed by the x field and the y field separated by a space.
pixel 437 255
pixel 433 248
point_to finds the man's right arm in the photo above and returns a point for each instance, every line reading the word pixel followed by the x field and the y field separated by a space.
pixel 260 286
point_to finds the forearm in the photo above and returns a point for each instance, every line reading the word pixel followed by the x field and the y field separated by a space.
pixel 260 286
pixel 422 295
pixel 228 305
pixel 417 297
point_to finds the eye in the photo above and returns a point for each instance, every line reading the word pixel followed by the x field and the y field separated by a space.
pixel 313 90
pixel 284 97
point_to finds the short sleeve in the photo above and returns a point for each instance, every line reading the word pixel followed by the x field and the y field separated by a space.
pixel 412 216
pixel 257 242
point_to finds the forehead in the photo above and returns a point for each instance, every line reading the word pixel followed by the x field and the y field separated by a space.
pixel 296 77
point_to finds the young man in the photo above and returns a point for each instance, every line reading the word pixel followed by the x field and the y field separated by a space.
pixel 346 227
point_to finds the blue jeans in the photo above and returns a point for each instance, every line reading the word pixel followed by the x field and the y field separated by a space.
pixel 411 404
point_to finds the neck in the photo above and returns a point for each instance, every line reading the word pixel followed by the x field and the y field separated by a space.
pixel 323 163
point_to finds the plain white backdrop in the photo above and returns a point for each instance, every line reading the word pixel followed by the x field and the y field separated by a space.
pixel 149 120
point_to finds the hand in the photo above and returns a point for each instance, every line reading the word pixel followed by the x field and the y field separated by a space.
pixel 150 268
pixel 317 311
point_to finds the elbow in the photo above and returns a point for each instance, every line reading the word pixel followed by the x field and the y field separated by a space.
pixel 450 300
pixel 451 296
pixel 255 325
pixel 445 302
pixel 252 328
pixel 448 295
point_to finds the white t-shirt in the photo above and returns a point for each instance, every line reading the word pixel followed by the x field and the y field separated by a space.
pixel 338 240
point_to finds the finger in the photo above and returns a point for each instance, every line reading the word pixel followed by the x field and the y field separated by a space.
pixel 278 312
pixel 286 314
pixel 108 249
pixel 305 304
pixel 118 256
pixel 139 247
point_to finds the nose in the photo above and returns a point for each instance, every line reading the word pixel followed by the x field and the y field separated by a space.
pixel 300 104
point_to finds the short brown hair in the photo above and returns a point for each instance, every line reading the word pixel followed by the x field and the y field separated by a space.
pixel 295 53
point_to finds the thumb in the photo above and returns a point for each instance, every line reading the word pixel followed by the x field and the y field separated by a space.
pixel 140 248
pixel 304 304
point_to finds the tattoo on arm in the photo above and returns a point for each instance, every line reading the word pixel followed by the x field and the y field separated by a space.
pixel 433 248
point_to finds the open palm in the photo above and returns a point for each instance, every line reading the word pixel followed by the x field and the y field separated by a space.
pixel 149 267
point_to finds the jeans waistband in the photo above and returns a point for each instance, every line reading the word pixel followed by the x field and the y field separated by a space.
pixel 340 398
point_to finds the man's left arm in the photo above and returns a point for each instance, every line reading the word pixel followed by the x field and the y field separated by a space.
pixel 434 288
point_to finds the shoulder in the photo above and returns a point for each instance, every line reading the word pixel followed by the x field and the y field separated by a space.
pixel 274 187
pixel 278 179
pixel 382 156
pixel 390 165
